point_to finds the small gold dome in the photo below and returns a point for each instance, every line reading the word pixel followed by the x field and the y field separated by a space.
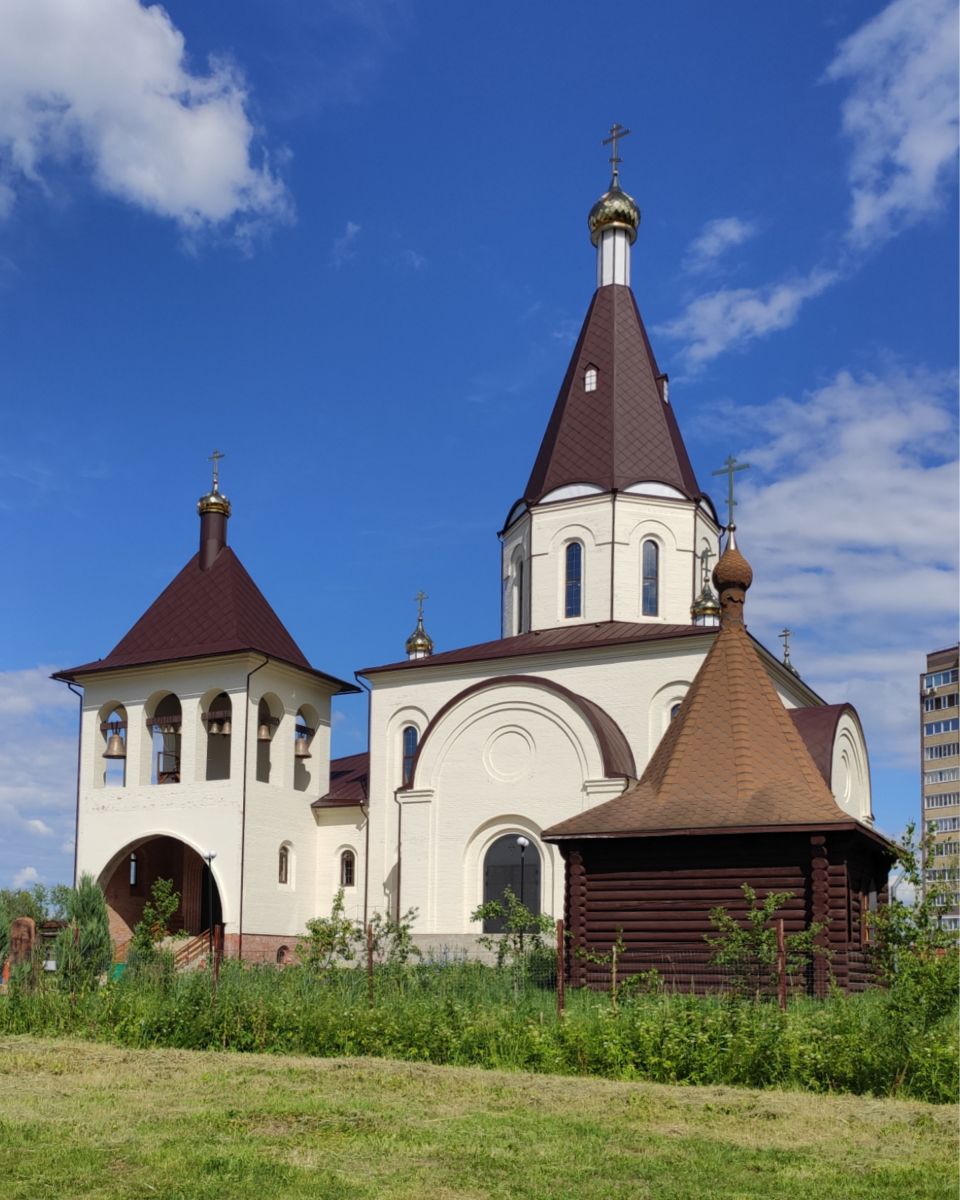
pixel 705 609
pixel 419 644
pixel 214 502
pixel 614 210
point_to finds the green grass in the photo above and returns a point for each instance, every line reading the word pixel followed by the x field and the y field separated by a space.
pixel 88 1120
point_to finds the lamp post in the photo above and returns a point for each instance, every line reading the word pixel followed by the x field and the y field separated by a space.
pixel 523 843
pixel 208 859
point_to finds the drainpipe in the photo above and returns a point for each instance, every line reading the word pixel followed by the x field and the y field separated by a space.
pixel 366 810
pixel 243 803
pixel 396 797
pixel 613 546
pixel 76 821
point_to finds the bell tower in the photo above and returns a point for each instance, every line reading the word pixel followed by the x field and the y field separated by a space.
pixel 612 525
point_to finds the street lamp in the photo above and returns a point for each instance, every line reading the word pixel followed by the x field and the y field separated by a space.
pixel 523 843
pixel 208 859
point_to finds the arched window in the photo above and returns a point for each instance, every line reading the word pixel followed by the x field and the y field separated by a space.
pixel 266 724
pixel 411 737
pixel 518 588
pixel 573 580
pixel 165 726
pixel 133 872
pixel 651 579
pixel 283 956
pixel 674 709
pixel 114 731
pixel 283 865
pixel 303 734
pixel 218 720
pixel 590 379
pixel 348 869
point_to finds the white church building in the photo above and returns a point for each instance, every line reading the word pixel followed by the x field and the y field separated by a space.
pixel 205 738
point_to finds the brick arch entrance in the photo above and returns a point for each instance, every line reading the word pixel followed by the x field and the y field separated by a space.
pixel 128 880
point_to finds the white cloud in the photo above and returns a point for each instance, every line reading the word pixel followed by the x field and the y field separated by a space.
pixel 730 318
pixel 849 516
pixel 415 261
pixel 104 84
pixel 716 237
pixel 41 827
pixel 344 247
pixel 900 115
pixel 25 876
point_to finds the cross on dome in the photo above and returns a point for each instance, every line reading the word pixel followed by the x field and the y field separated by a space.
pixel 617 131
pixel 729 468
pixel 215 459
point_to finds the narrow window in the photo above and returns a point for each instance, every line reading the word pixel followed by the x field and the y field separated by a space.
pixel 518 594
pixel 573 580
pixel 283 866
pixel 410 739
pixel 651 579
pixel 347 869
pixel 590 379
pixel 133 872
pixel 283 956
pixel 674 709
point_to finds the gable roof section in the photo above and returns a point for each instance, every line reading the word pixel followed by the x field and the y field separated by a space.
pixel 817 726
pixel 732 757
pixel 546 641
pixel 202 614
pixel 348 782
pixel 623 432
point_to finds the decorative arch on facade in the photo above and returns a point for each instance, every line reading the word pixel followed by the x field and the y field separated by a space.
pixel 663 708
pixel 609 743
pixel 163 715
pixel 479 845
pixel 850 769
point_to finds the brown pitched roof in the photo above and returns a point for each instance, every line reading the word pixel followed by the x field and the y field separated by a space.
pixel 732 757
pixel 349 778
pixel 546 641
pixel 623 432
pixel 201 614
pixel 817 726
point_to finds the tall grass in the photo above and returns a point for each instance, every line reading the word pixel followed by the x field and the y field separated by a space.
pixel 471 1014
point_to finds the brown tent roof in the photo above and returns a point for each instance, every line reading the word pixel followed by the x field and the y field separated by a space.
pixel 545 641
pixel 622 433
pixel 732 757
pixel 201 614
pixel 348 782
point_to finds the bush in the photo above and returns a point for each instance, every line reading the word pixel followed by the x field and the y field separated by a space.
pixel 83 948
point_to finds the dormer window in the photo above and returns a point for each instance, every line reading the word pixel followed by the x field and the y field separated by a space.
pixel 590 379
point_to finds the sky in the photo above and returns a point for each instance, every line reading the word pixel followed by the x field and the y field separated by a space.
pixel 345 243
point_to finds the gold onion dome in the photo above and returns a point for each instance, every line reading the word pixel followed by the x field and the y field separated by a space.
pixel 214 502
pixel 706 606
pixel 419 644
pixel 614 210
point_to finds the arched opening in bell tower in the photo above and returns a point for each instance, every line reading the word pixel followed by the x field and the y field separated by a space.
pixel 128 880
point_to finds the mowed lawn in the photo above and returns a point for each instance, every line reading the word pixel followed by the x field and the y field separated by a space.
pixel 78 1119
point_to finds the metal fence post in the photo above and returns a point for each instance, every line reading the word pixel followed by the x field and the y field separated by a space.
pixel 370 964
pixel 781 966
pixel 561 967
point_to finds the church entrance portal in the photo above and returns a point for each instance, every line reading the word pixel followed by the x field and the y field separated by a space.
pixel 510 864
pixel 127 885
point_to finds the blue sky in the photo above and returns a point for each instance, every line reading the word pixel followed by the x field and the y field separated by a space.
pixel 346 244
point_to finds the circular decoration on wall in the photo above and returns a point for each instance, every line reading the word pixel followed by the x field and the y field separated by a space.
pixel 508 754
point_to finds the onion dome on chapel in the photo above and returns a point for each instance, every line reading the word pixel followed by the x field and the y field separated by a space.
pixel 214 502
pixel 614 210
pixel 419 644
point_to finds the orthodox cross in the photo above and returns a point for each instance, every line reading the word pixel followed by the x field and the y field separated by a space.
pixel 420 597
pixel 215 459
pixel 616 132
pixel 729 468
pixel 784 636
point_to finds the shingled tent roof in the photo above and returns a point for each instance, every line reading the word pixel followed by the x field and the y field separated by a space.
pixel 201 614
pixel 623 432
pixel 732 756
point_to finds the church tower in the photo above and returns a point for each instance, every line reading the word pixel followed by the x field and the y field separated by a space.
pixel 612 525
pixel 205 735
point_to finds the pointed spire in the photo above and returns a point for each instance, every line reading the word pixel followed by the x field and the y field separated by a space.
pixel 419 644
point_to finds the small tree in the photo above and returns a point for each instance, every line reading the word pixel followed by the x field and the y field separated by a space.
pixel 154 926
pixel 329 940
pixel 523 931
pixel 83 949
pixel 749 952
pixel 392 940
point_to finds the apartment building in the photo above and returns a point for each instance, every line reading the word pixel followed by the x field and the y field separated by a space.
pixel 940 767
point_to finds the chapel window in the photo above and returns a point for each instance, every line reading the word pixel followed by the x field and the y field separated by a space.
pixel 674 709
pixel 347 869
pixel 283 865
pixel 590 379
pixel 650 557
pixel 411 738
pixel 573 580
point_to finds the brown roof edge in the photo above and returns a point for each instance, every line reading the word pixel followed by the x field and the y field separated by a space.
pixel 101 666
pixel 850 826
pixel 618 761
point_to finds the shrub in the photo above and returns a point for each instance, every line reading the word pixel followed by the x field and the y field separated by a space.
pixel 83 948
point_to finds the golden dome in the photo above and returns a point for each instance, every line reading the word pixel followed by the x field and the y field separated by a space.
pixel 419 644
pixel 214 502
pixel 614 210
pixel 706 607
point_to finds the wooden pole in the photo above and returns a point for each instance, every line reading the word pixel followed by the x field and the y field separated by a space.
pixel 561 967
pixel 781 966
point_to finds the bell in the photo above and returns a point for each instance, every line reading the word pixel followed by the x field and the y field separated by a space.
pixel 263 733
pixel 214 727
pixel 302 749
pixel 225 728
pixel 115 747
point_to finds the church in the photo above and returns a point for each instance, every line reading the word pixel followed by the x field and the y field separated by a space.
pixel 205 732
